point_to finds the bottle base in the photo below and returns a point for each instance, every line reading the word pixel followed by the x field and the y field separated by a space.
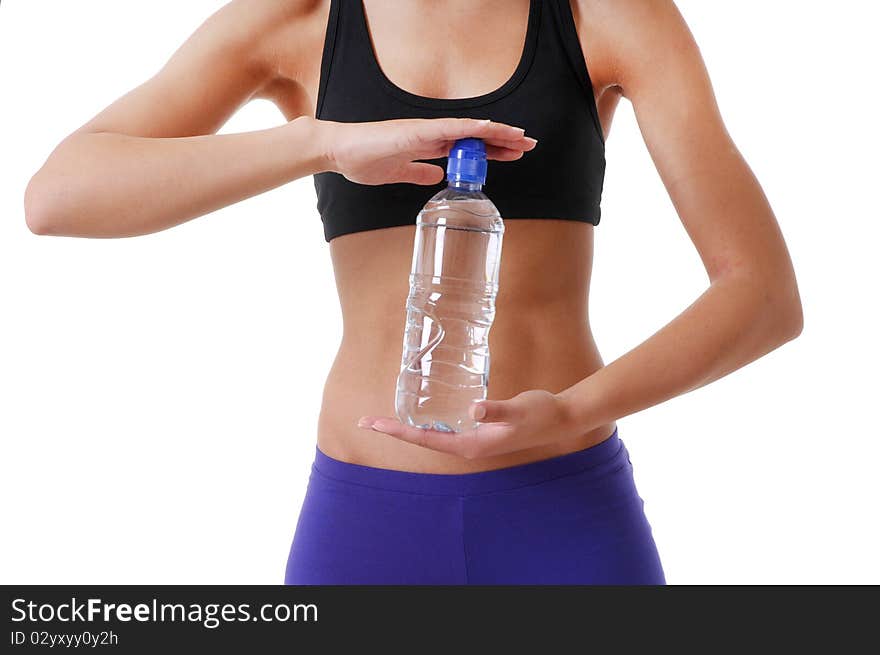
pixel 440 426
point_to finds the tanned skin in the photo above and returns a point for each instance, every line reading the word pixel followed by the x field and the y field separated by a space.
pixel 153 160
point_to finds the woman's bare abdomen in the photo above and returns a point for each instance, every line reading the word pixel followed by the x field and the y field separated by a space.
pixel 540 339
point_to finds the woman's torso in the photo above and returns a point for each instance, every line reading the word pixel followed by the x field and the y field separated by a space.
pixel 541 337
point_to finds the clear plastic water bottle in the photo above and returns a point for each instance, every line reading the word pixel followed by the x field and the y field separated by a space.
pixel 451 303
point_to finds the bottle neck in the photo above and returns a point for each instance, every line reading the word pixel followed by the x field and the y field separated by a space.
pixel 464 186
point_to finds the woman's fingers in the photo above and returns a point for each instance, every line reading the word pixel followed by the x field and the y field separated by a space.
pixel 445 442
pixel 505 136
pixel 524 143
pixel 421 173
pixel 503 154
pixel 498 153
pixel 485 440
pixel 496 134
pixel 496 411
pixel 398 150
pixel 450 129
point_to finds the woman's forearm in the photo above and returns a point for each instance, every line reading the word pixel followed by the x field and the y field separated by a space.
pixel 736 321
pixel 113 185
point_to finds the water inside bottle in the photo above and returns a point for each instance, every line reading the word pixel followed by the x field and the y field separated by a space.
pixel 450 309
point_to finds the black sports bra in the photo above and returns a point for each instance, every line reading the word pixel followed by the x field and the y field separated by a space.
pixel 549 94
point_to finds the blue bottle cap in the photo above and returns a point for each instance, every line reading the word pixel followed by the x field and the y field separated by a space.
pixel 467 162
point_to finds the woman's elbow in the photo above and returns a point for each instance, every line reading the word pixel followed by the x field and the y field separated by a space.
pixel 794 321
pixel 788 314
pixel 42 210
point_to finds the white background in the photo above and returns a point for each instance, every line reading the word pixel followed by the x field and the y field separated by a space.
pixel 159 395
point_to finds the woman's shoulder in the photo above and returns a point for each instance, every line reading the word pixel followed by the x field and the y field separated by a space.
pixel 280 41
pixel 259 22
pixel 617 34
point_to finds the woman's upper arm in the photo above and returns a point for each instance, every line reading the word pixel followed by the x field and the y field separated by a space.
pixel 216 71
pixel 656 63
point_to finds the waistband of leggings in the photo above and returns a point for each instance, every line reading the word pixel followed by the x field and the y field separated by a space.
pixel 595 459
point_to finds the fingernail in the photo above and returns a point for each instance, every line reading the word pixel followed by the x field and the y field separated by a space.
pixel 521 130
pixel 365 423
pixel 479 411
pixel 531 140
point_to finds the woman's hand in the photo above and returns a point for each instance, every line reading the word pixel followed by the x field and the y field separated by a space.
pixel 385 152
pixel 529 419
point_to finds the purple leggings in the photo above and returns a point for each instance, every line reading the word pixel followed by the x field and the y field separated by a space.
pixel 572 519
